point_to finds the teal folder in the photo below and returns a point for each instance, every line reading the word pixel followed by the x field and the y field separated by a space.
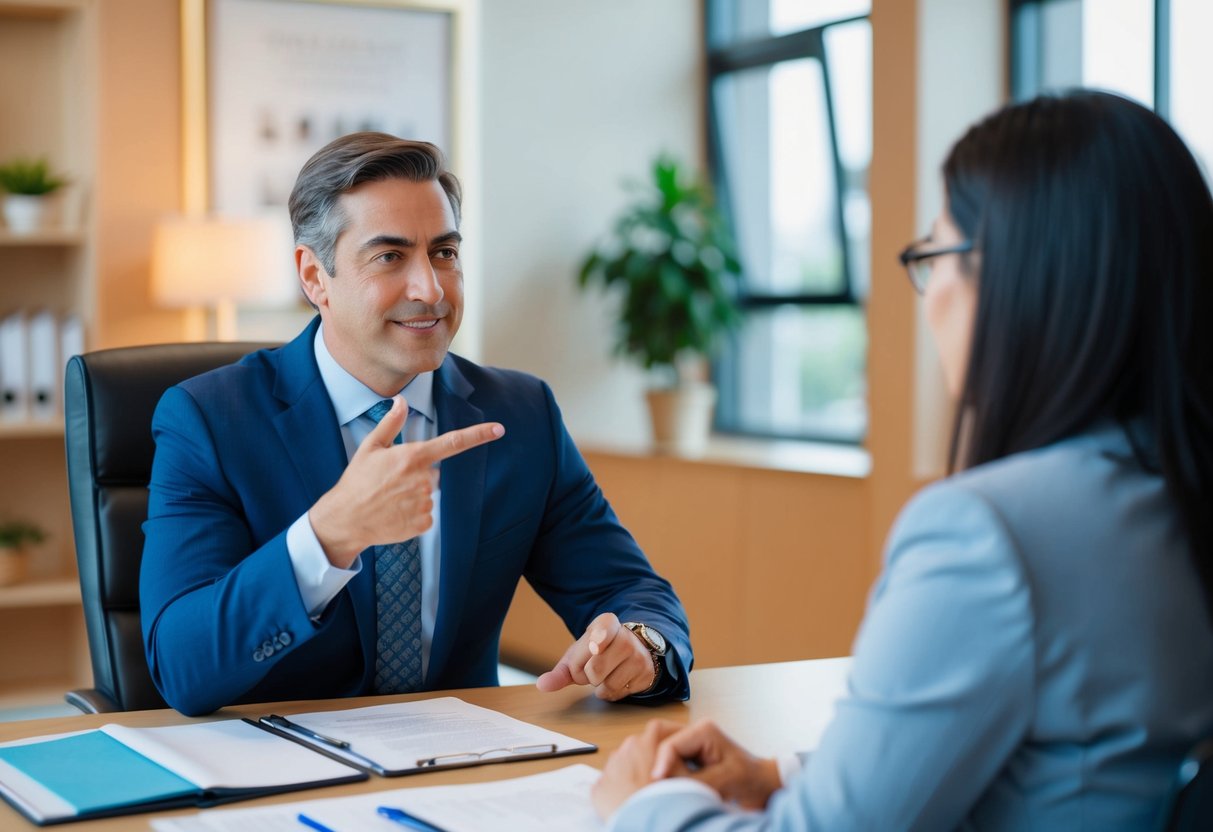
pixel 93 774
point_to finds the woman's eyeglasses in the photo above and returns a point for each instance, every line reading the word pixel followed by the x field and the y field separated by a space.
pixel 917 256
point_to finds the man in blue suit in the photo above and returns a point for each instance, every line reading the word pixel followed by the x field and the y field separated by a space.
pixel 300 541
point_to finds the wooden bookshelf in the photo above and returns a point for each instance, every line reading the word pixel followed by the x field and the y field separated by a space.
pixel 48 95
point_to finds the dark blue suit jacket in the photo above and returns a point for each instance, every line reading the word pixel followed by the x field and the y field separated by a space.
pixel 245 450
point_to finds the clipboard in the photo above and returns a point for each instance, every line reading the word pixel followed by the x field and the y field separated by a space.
pixel 448 727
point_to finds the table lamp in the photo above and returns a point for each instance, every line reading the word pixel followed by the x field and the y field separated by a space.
pixel 209 262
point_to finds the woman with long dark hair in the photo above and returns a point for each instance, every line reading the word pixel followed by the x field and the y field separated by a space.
pixel 1038 652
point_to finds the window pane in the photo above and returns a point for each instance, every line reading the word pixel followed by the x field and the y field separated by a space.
pixel 737 21
pixel 794 15
pixel 779 175
pixel 801 372
pixel 1118 47
pixel 1061 47
pixel 849 57
pixel 1191 73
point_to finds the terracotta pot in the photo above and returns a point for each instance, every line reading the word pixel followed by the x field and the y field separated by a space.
pixel 682 417
pixel 14 564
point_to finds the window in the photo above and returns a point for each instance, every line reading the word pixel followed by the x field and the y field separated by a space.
pixel 790 133
pixel 1151 50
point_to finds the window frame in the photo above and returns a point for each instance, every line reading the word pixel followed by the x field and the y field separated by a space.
pixel 736 56
pixel 1025 25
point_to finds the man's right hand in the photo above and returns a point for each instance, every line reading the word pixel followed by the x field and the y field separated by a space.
pixel 386 493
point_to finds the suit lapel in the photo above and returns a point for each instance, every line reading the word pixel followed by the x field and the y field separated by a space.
pixel 462 484
pixel 308 428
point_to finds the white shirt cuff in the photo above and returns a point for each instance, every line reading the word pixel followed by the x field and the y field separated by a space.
pixel 319 581
pixel 789 767
pixel 663 789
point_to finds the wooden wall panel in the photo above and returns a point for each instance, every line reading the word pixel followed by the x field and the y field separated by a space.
pixel 770 565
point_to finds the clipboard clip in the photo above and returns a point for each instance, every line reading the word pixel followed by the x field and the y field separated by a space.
pixel 476 756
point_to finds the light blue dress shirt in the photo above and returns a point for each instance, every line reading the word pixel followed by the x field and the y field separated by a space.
pixel 319 581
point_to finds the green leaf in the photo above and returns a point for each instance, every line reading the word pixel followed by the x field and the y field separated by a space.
pixel 676 267
pixel 29 177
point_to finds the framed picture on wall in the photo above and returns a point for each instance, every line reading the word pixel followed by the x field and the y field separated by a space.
pixel 285 77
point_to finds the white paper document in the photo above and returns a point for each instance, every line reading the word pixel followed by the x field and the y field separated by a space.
pixel 118 770
pixel 228 754
pixel 555 801
pixel 404 737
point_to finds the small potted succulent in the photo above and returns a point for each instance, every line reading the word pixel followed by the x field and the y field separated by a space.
pixel 672 259
pixel 27 183
pixel 16 537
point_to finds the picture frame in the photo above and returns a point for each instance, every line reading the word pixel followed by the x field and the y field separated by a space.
pixel 269 82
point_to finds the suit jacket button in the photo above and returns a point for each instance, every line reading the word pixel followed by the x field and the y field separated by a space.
pixel 258 656
pixel 285 639
pixel 267 648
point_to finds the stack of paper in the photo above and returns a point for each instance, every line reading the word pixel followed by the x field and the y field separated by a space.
pixel 555 801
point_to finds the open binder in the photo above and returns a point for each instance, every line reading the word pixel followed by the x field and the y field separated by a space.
pixel 118 770
pixel 412 737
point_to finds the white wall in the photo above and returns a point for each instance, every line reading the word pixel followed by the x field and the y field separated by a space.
pixel 576 98
pixel 961 72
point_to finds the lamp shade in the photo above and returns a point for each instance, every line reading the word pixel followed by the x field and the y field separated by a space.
pixel 202 261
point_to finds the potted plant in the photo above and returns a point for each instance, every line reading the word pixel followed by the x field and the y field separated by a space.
pixel 26 184
pixel 15 539
pixel 673 261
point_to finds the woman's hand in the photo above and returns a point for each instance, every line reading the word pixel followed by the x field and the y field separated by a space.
pixel 700 751
pixel 716 761
pixel 630 768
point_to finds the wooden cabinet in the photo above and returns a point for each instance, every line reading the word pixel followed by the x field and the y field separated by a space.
pixel 47 96
pixel 771 565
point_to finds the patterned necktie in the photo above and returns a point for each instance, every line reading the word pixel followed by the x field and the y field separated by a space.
pixel 397 606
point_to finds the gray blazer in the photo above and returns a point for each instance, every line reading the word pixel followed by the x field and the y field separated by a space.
pixel 1036 655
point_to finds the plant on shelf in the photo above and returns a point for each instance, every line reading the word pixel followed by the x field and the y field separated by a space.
pixel 15 538
pixel 26 184
pixel 671 257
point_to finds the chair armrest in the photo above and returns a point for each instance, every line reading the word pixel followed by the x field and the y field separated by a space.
pixel 91 701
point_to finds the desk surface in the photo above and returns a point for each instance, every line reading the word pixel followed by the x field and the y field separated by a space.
pixel 770 708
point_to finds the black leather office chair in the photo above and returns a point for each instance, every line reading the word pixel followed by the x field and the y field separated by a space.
pixel 1191 807
pixel 109 398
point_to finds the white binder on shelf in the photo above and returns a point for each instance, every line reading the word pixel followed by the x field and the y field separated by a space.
pixel 14 369
pixel 71 342
pixel 43 332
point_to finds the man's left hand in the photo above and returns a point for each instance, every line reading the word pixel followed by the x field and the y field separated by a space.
pixel 609 657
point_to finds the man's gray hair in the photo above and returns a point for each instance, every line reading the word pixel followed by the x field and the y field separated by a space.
pixel 342 164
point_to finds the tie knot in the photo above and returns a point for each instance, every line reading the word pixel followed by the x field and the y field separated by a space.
pixel 378 410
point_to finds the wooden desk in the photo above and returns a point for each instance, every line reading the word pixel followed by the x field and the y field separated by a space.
pixel 770 708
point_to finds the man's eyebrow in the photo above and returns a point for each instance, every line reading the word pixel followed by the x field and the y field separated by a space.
pixel 386 240
pixel 448 237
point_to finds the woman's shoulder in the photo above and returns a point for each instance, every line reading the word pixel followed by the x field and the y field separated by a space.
pixel 1057 474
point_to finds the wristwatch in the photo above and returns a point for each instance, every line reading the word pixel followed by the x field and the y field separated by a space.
pixel 654 642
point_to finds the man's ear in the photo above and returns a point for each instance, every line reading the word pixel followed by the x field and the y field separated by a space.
pixel 313 277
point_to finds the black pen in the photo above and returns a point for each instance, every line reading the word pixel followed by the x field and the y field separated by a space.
pixel 283 722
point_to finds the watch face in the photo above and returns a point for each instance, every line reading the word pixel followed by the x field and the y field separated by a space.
pixel 649 637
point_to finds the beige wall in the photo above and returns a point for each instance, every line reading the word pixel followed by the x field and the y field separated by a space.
pixel 577 99
pixel 138 163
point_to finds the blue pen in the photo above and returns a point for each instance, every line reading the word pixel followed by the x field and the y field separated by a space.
pixel 404 819
pixel 315 824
